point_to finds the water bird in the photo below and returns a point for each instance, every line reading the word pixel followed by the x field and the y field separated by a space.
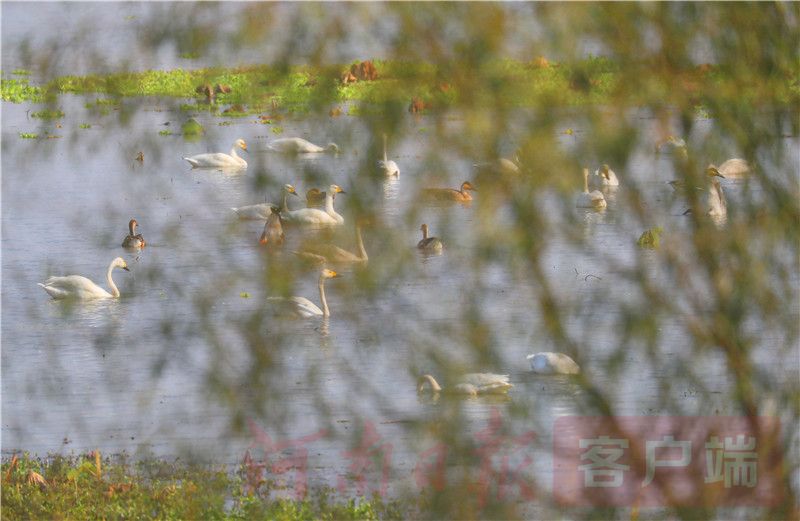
pixel 451 194
pixel 298 145
pixel 315 197
pixel 79 287
pixel 315 215
pixel 133 239
pixel 587 199
pixel 734 168
pixel 471 384
pixel 680 186
pixel 429 244
pixel 387 166
pixel 219 159
pixel 603 177
pixel 675 142
pixel 553 363
pixel 717 206
pixel 331 254
pixel 273 230
pixel 263 211
pixel 501 166
pixel 301 307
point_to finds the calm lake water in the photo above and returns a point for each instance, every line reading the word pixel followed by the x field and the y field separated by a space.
pixel 143 374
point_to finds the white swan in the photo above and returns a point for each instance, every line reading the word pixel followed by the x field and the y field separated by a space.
pixel 315 215
pixel 734 168
pixel 675 142
pixel 501 166
pixel 717 206
pixel 133 240
pixel 78 287
pixel 587 199
pixel 429 244
pixel 262 211
pixel 471 384
pixel 507 166
pixel 330 253
pixel 388 167
pixel 301 307
pixel 603 177
pixel 298 145
pixel 220 160
pixel 273 230
pixel 553 363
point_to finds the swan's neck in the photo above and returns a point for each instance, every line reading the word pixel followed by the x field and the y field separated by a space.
pixel 586 181
pixel 424 233
pixel 132 228
pixel 362 252
pixel 285 204
pixel 325 311
pixel 431 380
pixel 233 152
pixel 385 157
pixel 114 290
pixel 716 199
pixel 329 203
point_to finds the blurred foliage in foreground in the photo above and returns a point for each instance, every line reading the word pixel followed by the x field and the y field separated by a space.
pixel 729 289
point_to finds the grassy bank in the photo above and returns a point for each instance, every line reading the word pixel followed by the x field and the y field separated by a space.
pixel 93 487
pixel 261 88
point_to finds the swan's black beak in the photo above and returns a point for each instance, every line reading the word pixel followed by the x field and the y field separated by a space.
pixel 126 268
pixel 295 193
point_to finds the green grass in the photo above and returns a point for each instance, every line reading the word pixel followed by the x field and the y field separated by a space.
pixel 92 487
pixel 262 88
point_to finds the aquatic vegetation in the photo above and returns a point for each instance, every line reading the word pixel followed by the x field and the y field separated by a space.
pixel 650 239
pixel 48 114
pixel 192 127
pixel 21 72
pixel 85 125
pixel 514 83
pixel 28 135
pixel 106 101
pixel 164 133
pixel 17 91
